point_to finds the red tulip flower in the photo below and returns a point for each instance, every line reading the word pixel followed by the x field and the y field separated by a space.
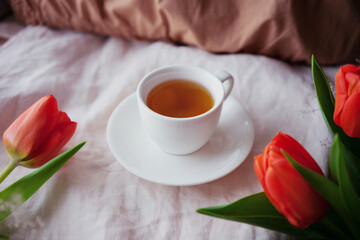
pixel 286 189
pixel 37 135
pixel 347 102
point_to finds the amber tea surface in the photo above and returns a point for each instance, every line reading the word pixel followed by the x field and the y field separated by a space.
pixel 179 98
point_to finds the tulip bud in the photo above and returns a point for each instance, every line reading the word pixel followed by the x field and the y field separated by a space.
pixel 347 101
pixel 286 189
pixel 38 134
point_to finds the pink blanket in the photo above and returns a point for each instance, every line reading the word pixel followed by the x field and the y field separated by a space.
pixel 287 30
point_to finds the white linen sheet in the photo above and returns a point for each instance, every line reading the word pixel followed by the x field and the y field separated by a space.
pixel 93 196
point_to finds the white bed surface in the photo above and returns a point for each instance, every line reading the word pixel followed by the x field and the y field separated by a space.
pixel 93 196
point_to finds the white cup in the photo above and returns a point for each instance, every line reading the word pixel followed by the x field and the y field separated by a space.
pixel 181 136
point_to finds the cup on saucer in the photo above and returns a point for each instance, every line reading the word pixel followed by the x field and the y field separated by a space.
pixel 180 106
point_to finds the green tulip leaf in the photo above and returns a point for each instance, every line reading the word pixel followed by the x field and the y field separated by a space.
pixel 337 156
pixel 327 106
pixel 333 226
pixel 353 166
pixel 17 193
pixel 323 92
pixel 257 210
pixel 333 167
pixel 329 190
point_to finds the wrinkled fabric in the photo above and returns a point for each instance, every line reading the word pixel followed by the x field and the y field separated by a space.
pixel 287 30
pixel 93 196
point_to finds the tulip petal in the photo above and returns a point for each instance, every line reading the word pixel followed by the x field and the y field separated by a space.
pixel 261 163
pixel 28 132
pixel 346 84
pixel 341 93
pixel 296 150
pixel 259 169
pixel 354 83
pixel 350 116
pixel 60 136
pixel 293 196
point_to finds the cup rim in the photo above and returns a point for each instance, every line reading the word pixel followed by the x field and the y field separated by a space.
pixel 148 75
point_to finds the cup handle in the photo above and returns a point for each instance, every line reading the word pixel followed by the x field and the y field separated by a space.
pixel 227 78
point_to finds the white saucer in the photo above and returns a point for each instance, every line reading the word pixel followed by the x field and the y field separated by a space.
pixel 225 151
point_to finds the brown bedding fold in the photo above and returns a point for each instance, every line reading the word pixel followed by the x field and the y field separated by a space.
pixel 284 29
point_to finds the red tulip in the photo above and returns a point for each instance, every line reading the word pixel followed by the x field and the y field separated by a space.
pixel 347 102
pixel 38 134
pixel 286 189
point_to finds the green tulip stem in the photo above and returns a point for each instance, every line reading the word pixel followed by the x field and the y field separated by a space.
pixel 7 170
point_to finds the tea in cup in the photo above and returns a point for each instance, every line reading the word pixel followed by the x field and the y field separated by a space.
pixel 180 106
pixel 179 98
